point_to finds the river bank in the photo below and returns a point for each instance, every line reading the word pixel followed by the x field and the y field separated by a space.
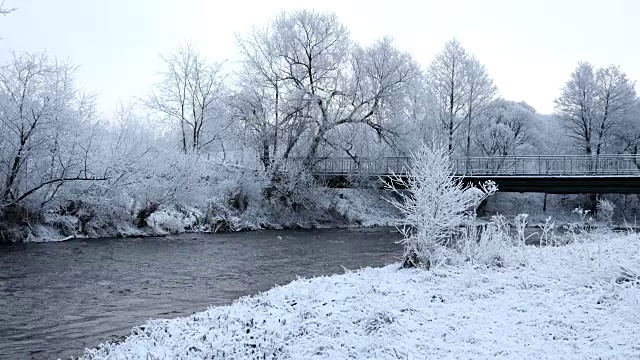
pixel 574 301
pixel 333 208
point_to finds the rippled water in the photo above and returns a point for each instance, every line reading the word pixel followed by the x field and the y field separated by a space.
pixel 58 298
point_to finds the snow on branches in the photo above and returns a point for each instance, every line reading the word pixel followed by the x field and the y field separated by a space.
pixel 436 205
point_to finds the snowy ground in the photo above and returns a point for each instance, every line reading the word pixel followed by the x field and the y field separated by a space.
pixel 565 302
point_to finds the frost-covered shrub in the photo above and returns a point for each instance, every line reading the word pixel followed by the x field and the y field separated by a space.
pixel 174 219
pixel 485 243
pixel 436 208
pixel 584 223
pixel 236 197
pixel 291 188
pixel 605 209
pixel 490 249
pixel 17 223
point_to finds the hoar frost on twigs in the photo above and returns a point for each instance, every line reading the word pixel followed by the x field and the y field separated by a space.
pixel 435 207
pixel 605 211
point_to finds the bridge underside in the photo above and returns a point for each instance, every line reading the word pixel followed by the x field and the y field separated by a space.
pixel 539 184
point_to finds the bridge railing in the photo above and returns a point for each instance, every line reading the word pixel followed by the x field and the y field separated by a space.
pixel 361 166
pixel 526 165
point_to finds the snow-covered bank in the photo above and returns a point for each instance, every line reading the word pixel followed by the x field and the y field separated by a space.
pixel 334 208
pixel 549 302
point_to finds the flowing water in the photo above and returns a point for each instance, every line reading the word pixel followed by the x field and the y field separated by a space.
pixel 58 298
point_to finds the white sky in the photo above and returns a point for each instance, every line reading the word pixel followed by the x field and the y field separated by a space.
pixel 529 47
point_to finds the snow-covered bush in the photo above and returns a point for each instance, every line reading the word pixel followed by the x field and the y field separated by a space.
pixel 436 207
pixel 485 243
pixel 291 189
pixel 605 209
pixel 491 246
pixel 236 198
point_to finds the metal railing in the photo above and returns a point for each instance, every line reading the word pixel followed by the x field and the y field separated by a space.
pixel 525 165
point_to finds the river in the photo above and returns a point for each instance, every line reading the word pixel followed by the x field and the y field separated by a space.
pixel 58 298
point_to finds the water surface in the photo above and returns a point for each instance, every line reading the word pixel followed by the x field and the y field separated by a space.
pixel 58 298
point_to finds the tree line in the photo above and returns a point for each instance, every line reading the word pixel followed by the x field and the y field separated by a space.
pixel 303 89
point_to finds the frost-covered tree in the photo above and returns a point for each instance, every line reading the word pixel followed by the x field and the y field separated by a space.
pixel 436 205
pixel 418 116
pixel 462 89
pixel 593 104
pixel 616 101
pixel 260 101
pixel 314 84
pixel 481 91
pixel 627 136
pixel 47 129
pixel 190 96
pixel 130 149
pixel 548 136
pixel 395 85
pixel 576 106
pixel 504 129
pixel 447 82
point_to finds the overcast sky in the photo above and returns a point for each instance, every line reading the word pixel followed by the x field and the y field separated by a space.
pixel 529 47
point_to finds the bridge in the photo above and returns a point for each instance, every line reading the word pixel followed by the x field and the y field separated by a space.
pixel 553 174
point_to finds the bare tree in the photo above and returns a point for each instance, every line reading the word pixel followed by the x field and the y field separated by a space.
pixel 314 47
pixel 190 95
pixel 262 101
pixel 448 84
pixel 47 129
pixel 593 104
pixel 576 106
pixel 616 100
pixel 317 83
pixel 462 89
pixel 481 91
pixel 416 116
pixel 128 147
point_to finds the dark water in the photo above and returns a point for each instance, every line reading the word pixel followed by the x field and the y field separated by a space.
pixel 58 298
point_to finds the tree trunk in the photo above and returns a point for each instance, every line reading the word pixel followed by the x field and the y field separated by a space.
pixel 276 124
pixel 593 203
pixel 313 150
pixel 184 137
pixel 265 153
pixel 13 173
pixel 451 137
pixel 468 150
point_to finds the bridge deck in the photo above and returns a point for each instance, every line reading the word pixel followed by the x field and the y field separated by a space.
pixel 551 174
